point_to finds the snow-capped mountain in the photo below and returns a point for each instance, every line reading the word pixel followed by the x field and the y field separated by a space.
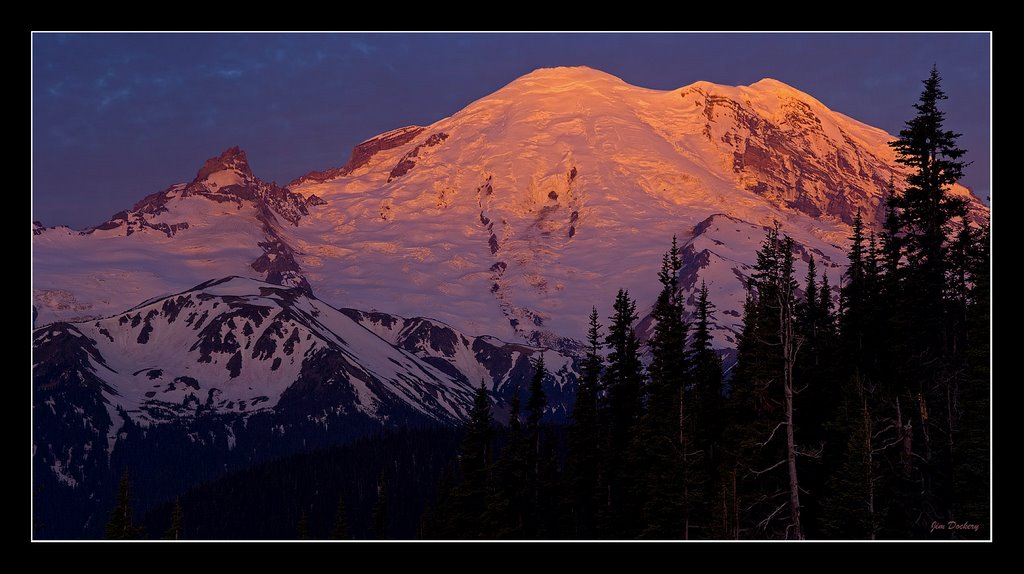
pixel 504 224
pixel 239 346
pixel 240 364
pixel 512 217
pixel 226 221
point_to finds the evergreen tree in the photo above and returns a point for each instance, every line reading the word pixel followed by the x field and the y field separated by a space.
pixel 471 496
pixel 537 402
pixel 708 408
pixel 121 525
pixel 827 306
pixel 854 291
pixel 704 357
pixel 820 392
pixel 624 372
pixel 972 438
pixel 668 367
pixel 436 523
pixel 706 366
pixel 38 525
pixel 175 532
pixel 623 380
pixel 534 413
pixel 891 247
pixel 928 214
pixel 583 457
pixel 849 505
pixel 872 271
pixel 479 432
pixel 506 508
pixel 380 511
pixel 927 210
pixel 808 311
pixel 663 455
pixel 744 424
pixel 888 369
pixel 540 513
pixel 340 531
pixel 515 416
pixel 764 435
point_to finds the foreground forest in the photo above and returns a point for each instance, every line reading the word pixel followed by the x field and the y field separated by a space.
pixel 865 417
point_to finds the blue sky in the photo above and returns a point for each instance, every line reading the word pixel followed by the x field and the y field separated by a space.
pixel 119 116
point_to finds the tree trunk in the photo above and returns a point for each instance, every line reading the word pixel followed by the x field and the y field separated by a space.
pixel 735 508
pixel 789 350
pixel 794 486
pixel 869 471
pixel 906 436
pixel 686 487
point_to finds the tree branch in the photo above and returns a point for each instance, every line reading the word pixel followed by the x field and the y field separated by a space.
pixel 771 436
pixel 774 466
pixel 764 523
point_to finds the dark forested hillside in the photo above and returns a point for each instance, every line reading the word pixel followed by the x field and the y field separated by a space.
pixel 387 478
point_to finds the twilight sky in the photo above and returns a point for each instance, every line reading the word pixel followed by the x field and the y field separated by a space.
pixel 119 116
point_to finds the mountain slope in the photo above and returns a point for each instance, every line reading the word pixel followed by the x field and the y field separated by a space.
pixel 238 346
pixel 235 371
pixel 226 221
pixel 568 183
pixel 515 215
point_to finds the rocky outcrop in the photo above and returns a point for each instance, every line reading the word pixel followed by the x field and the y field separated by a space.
pixel 408 161
pixel 773 157
pixel 273 205
pixel 362 154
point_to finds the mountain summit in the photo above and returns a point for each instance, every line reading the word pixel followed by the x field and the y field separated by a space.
pixel 232 159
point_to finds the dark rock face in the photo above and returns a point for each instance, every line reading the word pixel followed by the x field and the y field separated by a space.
pixel 403 167
pixel 422 334
pixel 693 263
pixel 138 218
pixel 278 263
pixel 388 321
pixel 362 154
pixel 70 422
pixel 773 156
pixel 147 328
pixel 278 200
pixel 231 158
pixel 323 381
pixel 282 202
pixel 173 306
pixel 234 365
pixel 408 161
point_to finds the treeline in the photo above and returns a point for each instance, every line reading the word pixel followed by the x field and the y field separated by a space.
pixel 373 488
pixel 641 448
pixel 867 421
